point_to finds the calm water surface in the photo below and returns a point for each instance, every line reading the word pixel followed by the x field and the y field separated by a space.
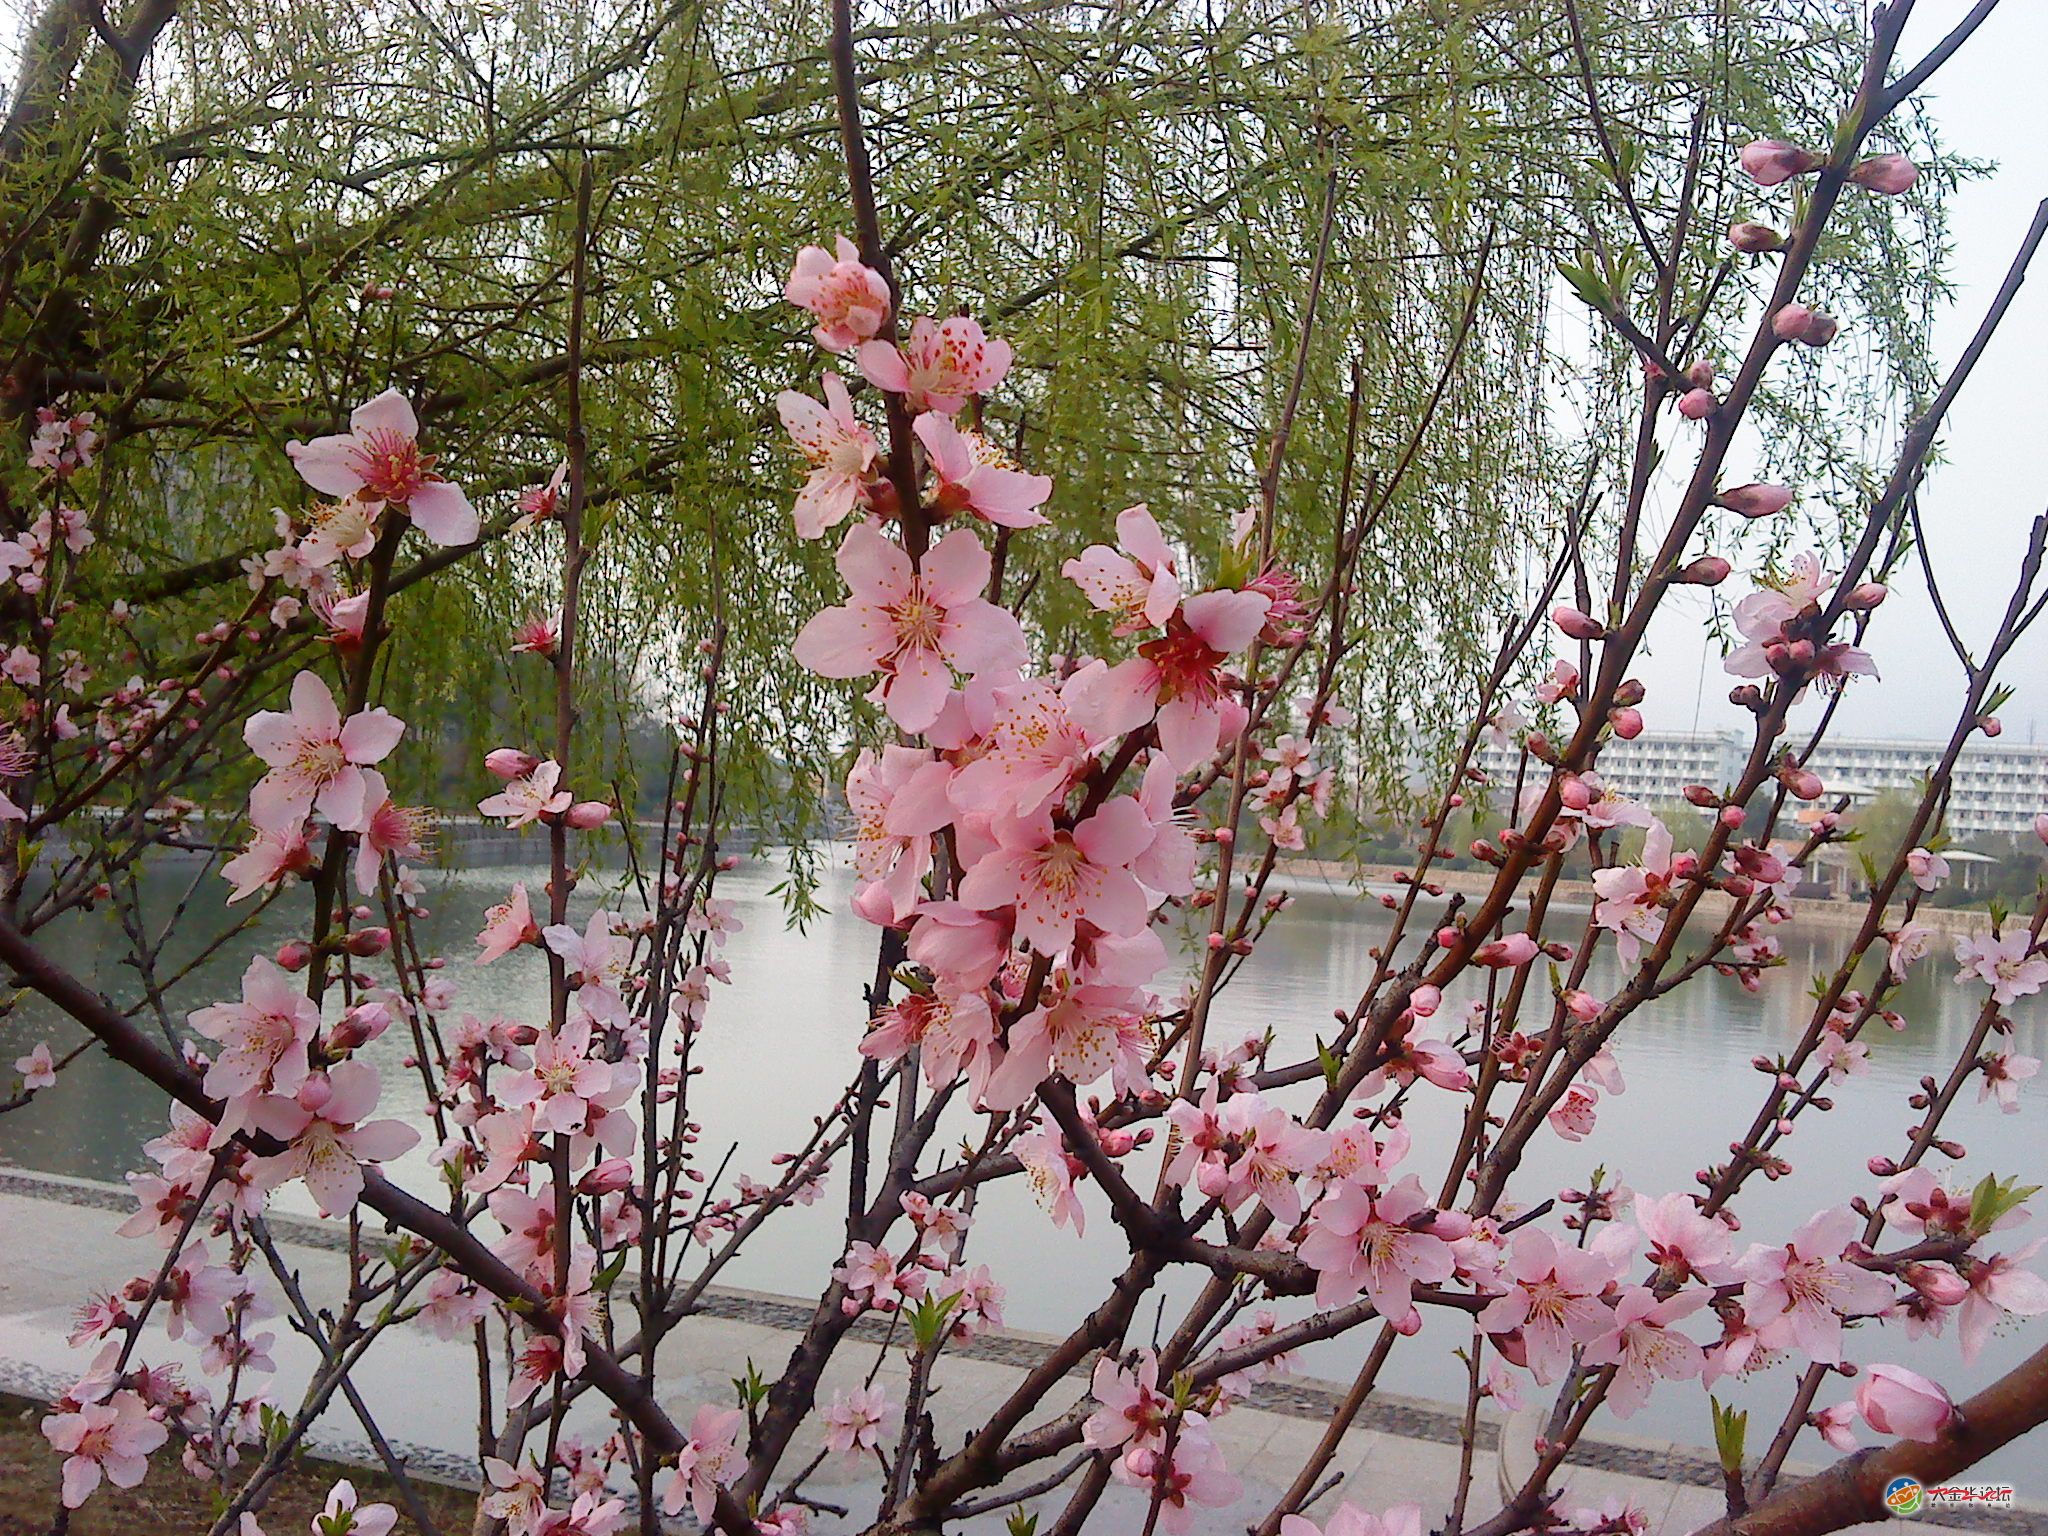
pixel 780 1042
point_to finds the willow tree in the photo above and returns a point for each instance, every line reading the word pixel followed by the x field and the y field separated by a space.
pixel 228 224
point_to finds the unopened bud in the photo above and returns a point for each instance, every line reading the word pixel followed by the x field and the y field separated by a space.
pixel 1697 404
pixel 1755 500
pixel 1888 174
pixel 1627 723
pixel 608 1177
pixel 293 954
pixel 586 814
pixel 1575 623
pixel 1803 782
pixel 366 942
pixel 1707 571
pixel 510 763
pixel 1767 162
pixel 1754 239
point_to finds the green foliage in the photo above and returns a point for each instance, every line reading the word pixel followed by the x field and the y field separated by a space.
pixel 1134 194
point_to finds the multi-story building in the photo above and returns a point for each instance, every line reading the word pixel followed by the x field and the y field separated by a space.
pixel 1999 787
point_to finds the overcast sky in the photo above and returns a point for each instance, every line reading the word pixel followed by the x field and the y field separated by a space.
pixel 1978 504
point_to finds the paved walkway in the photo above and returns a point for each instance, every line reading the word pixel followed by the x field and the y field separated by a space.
pixel 57 1245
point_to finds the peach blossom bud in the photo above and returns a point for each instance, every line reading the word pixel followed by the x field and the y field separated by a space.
pixel 366 942
pixel 1896 1401
pixel 1572 790
pixel 1583 1006
pixel 1803 782
pixel 1697 404
pixel 1580 626
pixel 1425 1000
pixel 359 1026
pixel 1754 239
pixel 875 905
pixel 1448 936
pixel 1732 816
pixel 1700 795
pixel 294 954
pixel 1937 1282
pixel 1989 725
pixel 607 1178
pixel 510 763
pixel 1707 571
pixel 1768 162
pixel 1865 596
pixel 1754 500
pixel 1217 941
pixel 1700 375
pixel 315 1093
pixel 2041 827
pixel 728 862
pixel 1516 949
pixel 585 814
pixel 1809 327
pixel 1457 802
pixel 1882 1167
pixel 1889 174
pixel 1790 322
pixel 1630 691
pixel 1627 722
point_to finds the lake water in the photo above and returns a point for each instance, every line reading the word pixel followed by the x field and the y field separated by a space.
pixel 780 1044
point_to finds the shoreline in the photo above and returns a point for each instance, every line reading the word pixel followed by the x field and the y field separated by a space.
pixel 1337 875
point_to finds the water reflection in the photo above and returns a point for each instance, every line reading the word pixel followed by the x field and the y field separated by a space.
pixel 780 1046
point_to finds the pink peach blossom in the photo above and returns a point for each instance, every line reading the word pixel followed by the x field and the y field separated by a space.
pixel 264 1038
pixel 316 759
pixel 2003 964
pixel 1644 1347
pixel 912 624
pixel 974 476
pixel 1552 1299
pixel 1796 1294
pixel 330 1136
pixel 841 451
pixel 378 461
pixel 1896 1401
pixel 898 799
pixel 849 298
pixel 1056 879
pixel 1139 582
pixel 1358 1240
pixel 854 1419
pixel 507 926
pixel 529 797
pixel 111 1439
pixel 942 365
pixel 38 1068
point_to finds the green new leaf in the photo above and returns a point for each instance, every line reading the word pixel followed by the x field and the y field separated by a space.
pixel 1730 1430
pixel 1994 1198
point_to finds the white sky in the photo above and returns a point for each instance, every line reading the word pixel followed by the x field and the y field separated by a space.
pixel 1978 504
